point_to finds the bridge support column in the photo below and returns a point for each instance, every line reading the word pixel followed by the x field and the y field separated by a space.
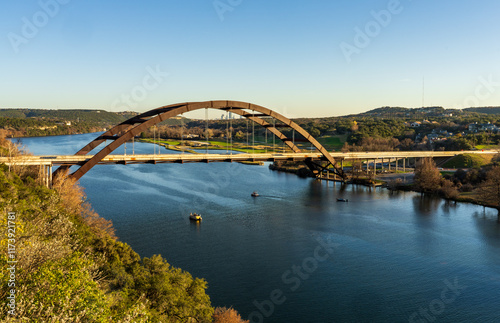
pixel 41 174
pixel 46 175
pixel 49 176
pixel 404 165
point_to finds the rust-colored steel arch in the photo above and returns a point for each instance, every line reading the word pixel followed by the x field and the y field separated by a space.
pixel 128 129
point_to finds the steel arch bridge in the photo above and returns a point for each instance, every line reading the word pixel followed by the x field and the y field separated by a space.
pixel 132 127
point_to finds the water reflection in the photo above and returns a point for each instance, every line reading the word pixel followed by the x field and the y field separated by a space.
pixel 449 206
pixel 487 224
pixel 426 205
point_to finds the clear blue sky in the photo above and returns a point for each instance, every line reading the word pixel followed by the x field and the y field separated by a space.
pixel 299 57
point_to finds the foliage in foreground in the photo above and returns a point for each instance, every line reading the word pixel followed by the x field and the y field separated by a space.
pixel 71 268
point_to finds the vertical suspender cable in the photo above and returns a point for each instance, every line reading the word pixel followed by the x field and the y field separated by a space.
pixel 182 133
pixel 266 139
pixel 247 134
pixel 206 127
pixel 253 132
pixel 231 129
pixel 274 137
pixel 227 133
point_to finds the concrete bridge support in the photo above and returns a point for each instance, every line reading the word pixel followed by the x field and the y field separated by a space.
pixel 46 175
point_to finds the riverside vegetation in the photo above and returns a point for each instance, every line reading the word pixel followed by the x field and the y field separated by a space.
pixel 72 268
pixel 479 185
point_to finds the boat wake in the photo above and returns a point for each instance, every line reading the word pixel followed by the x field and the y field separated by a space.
pixel 272 197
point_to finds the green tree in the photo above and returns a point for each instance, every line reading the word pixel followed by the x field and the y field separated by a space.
pixel 173 293
pixel 314 132
pixel 66 287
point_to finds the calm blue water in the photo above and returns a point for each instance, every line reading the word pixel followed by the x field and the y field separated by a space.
pixel 295 254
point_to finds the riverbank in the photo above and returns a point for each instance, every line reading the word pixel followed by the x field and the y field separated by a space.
pixel 392 181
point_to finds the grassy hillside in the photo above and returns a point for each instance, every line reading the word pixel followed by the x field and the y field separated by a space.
pixel 333 142
pixel 468 161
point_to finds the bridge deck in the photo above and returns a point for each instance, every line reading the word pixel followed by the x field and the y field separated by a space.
pixel 154 158
pixel 187 158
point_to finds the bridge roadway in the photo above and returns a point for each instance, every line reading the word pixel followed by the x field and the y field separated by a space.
pixel 56 160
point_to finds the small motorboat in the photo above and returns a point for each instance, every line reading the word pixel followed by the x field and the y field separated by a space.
pixel 342 200
pixel 255 194
pixel 195 217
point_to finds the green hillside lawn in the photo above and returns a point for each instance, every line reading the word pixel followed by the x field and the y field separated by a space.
pixel 333 142
pixel 468 161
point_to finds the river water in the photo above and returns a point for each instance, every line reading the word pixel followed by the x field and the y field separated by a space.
pixel 295 254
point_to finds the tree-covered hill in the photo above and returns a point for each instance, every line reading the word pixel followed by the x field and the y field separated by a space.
pixel 40 122
pixel 487 110
pixel 95 116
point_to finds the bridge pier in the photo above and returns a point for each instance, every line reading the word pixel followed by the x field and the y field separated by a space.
pixel 46 175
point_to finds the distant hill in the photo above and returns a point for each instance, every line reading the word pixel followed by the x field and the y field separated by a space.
pixel 93 116
pixel 400 112
pixel 41 122
pixel 486 110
